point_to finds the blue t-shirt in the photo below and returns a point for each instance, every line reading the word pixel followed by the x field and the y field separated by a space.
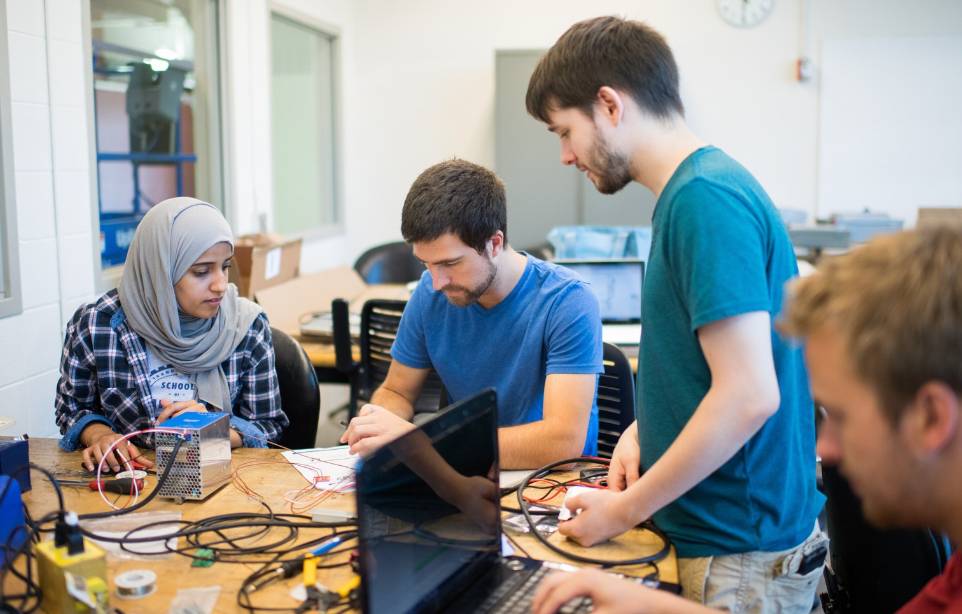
pixel 549 323
pixel 719 249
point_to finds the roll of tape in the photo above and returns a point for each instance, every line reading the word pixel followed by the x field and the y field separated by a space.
pixel 136 583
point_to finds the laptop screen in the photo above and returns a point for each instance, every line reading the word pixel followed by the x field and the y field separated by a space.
pixel 428 509
pixel 616 283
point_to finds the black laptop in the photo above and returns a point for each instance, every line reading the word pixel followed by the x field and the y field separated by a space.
pixel 429 519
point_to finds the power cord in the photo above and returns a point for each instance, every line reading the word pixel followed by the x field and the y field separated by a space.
pixel 237 538
pixel 525 511
pixel 30 534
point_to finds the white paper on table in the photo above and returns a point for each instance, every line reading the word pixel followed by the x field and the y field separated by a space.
pixel 506 548
pixel 326 468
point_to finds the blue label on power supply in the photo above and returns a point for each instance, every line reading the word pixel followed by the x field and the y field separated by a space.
pixel 194 420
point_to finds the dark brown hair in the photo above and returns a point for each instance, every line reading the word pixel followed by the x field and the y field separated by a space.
pixel 455 196
pixel 622 54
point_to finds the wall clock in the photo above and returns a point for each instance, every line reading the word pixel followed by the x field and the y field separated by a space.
pixel 745 13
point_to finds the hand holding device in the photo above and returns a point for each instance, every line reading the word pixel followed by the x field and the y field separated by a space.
pixel 567 513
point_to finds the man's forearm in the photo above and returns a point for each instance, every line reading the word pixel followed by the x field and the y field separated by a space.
pixel 393 401
pixel 719 427
pixel 533 445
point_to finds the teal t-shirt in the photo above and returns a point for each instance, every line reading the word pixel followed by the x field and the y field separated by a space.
pixel 719 249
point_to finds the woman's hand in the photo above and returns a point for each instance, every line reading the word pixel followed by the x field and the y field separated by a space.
pixel 175 408
pixel 97 439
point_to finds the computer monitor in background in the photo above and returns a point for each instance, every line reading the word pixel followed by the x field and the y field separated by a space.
pixel 617 284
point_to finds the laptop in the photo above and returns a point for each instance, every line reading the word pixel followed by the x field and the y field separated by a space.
pixel 322 325
pixel 424 552
pixel 618 285
pixel 424 549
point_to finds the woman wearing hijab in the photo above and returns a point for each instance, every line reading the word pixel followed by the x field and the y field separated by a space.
pixel 174 337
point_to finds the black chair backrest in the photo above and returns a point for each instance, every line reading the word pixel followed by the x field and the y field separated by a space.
pixel 341 331
pixel 873 570
pixel 390 263
pixel 300 396
pixel 542 251
pixel 616 399
pixel 380 319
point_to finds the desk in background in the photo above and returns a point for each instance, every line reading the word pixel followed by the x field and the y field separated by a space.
pixel 321 355
pixel 273 481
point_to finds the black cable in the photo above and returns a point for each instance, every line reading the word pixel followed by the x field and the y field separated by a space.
pixel 225 547
pixel 655 574
pixel 11 554
pixel 161 480
pixel 249 584
pixel 542 512
pixel 541 473
pixel 153 494
pixel 50 477
pixel 31 587
pixel 193 532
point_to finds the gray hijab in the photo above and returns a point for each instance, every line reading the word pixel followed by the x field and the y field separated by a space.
pixel 169 239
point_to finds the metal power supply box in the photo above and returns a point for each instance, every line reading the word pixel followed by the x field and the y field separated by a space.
pixel 203 462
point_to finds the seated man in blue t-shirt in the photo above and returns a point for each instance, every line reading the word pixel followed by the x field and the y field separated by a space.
pixel 485 315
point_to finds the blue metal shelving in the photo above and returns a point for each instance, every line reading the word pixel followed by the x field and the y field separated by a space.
pixel 117 228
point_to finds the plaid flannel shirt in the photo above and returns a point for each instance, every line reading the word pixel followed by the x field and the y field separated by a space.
pixel 103 378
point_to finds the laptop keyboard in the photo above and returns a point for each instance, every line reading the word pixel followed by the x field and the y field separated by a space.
pixel 517 591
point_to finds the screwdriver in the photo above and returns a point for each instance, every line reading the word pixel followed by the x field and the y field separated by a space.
pixel 123 486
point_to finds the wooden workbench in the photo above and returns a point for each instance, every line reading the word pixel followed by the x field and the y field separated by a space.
pixel 273 478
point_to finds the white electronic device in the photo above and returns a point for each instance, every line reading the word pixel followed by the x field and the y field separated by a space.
pixel 566 512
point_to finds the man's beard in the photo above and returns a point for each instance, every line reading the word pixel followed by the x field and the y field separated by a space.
pixel 469 296
pixel 612 171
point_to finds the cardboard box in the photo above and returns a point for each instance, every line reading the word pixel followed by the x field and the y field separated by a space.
pixel 262 261
pixel 289 303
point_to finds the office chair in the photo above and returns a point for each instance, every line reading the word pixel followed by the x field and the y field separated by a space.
pixel 616 399
pixel 541 251
pixel 300 396
pixel 390 263
pixel 873 571
pixel 380 319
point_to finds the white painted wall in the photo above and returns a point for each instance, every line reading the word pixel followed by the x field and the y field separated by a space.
pixel 427 87
pixel 54 210
pixel 247 49
pixel 425 75
pixel 417 87
pixel 889 112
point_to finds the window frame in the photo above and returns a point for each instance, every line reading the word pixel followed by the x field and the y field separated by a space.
pixel 338 227
pixel 11 299
pixel 215 106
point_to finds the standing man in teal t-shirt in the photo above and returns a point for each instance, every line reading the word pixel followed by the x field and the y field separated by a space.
pixel 725 418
